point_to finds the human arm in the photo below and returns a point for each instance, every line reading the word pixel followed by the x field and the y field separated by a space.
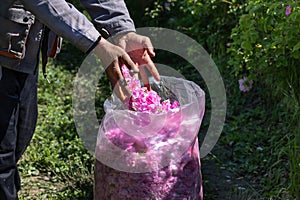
pixel 113 17
pixel 110 15
pixel 65 20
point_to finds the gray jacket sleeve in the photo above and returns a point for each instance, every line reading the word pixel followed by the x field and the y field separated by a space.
pixel 65 20
pixel 112 15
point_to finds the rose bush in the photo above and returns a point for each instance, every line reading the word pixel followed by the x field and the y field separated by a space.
pixel 266 44
pixel 266 48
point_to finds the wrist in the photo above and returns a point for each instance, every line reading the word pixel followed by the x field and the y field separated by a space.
pixel 94 45
pixel 121 36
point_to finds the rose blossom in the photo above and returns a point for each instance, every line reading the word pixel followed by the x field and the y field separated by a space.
pixel 288 10
pixel 245 84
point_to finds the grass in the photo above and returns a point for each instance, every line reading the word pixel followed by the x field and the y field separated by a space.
pixel 56 165
pixel 253 149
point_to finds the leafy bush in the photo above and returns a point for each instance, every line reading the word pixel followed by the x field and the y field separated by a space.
pixel 266 43
pixel 266 48
pixel 209 22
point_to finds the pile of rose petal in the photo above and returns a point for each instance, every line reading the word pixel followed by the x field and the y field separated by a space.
pixel 144 100
pixel 177 181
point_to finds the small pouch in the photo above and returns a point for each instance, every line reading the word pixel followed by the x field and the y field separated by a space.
pixel 14 32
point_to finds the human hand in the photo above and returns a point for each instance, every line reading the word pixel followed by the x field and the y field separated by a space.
pixel 140 50
pixel 112 58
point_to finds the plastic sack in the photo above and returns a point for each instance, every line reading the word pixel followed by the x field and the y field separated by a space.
pixel 142 156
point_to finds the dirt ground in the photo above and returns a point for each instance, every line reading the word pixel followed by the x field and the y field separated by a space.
pixel 220 183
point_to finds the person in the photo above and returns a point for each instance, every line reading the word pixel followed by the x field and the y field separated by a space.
pixel 24 32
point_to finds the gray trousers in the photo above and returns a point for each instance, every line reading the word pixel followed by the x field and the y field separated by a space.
pixel 18 116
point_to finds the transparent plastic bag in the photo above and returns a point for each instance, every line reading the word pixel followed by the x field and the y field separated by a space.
pixel 151 156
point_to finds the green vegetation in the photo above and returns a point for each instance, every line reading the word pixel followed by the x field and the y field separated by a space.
pixel 260 143
pixel 56 165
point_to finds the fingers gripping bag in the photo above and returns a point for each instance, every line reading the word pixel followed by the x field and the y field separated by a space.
pixel 148 149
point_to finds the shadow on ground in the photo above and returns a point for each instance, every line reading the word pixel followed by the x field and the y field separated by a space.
pixel 220 183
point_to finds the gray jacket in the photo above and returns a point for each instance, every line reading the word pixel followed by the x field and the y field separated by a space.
pixel 22 23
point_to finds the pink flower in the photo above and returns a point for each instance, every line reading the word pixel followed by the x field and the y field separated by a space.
pixel 288 10
pixel 174 105
pixel 125 71
pixel 245 84
pixel 143 100
pixel 166 105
